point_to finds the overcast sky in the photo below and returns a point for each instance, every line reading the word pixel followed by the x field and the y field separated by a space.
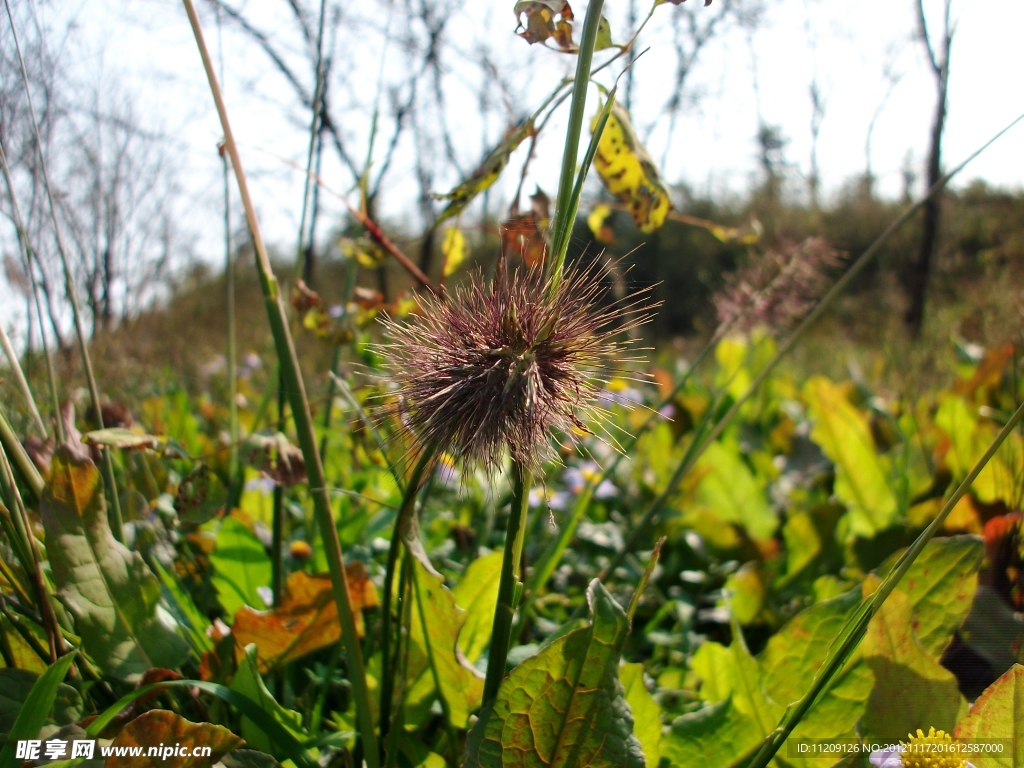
pixel 146 47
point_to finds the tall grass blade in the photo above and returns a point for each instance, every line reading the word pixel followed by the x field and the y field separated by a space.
pixel 19 377
pixel 26 257
pixel 32 716
pixel 561 226
pixel 301 414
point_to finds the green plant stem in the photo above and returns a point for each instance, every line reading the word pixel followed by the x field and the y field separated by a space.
pixel 18 456
pixel 19 377
pixel 510 586
pixel 232 340
pixel 853 631
pixel 406 513
pixel 33 568
pixel 641 528
pixel 561 226
pixel 303 270
pixel 302 417
pixel 446 711
pixel 401 664
pixel 26 256
pixel 69 285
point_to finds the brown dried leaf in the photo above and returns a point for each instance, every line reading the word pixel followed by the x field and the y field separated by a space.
pixel 306 620
pixel 544 19
pixel 277 458
pixel 160 727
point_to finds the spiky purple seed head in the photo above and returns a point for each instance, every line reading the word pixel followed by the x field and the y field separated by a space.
pixel 506 364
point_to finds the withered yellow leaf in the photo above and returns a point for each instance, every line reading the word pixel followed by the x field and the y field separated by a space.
pixel 628 172
pixel 306 620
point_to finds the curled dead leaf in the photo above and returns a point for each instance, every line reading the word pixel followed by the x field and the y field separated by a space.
pixel 306 620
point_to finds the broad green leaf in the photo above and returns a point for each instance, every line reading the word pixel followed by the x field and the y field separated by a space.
pixel 158 727
pixel 712 663
pixel 746 592
pixel 183 608
pixel 862 481
pixel 38 705
pixel 241 566
pixel 629 173
pixel 998 714
pixel 564 707
pixel 911 690
pixel 477 592
pixel 731 354
pixel 717 736
pixel 940 585
pixel 16 687
pixel 486 174
pixel 646 712
pixel 112 594
pixel 22 654
pixel 791 660
pixel 248 758
pixel 249 683
pixel 434 654
pixel 731 492
pixel 748 693
pixel 969 439
pixel 803 542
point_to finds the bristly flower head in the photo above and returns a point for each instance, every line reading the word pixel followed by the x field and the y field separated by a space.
pixel 506 364
pixel 777 288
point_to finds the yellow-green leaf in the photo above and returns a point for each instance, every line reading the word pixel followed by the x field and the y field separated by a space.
pixel 434 653
pixel 628 171
pixel 646 712
pixel 862 481
pixel 454 249
pixel 108 589
pixel 248 682
pixel 486 174
pixel 911 690
pixel 940 585
pixel 998 714
pixel 596 221
pixel 477 592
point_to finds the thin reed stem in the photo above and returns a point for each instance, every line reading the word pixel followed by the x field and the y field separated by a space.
pixel 10 443
pixel 406 513
pixel 296 391
pixel 510 586
pixel 109 482
pixel 19 377
pixel 26 257
pixel 33 567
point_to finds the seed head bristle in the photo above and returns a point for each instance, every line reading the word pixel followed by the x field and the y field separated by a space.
pixel 507 365
pixel 777 288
